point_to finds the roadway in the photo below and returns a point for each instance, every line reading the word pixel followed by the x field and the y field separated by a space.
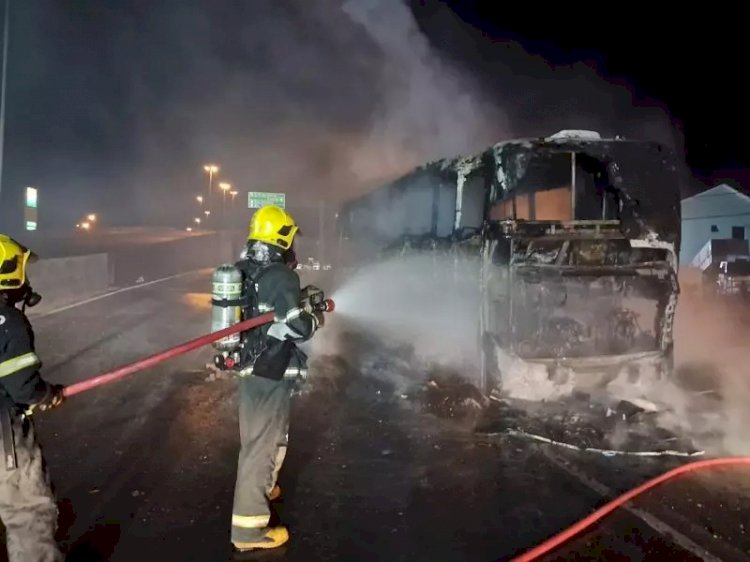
pixel 144 468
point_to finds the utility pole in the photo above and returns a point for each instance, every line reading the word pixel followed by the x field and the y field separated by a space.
pixel 6 31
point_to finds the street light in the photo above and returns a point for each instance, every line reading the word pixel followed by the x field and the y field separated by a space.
pixel 197 220
pixel 211 169
pixel 224 186
pixel 199 199
pixel 91 218
pixel 234 195
pixel 206 213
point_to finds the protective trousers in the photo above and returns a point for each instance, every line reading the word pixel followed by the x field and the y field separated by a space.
pixel 27 504
pixel 264 427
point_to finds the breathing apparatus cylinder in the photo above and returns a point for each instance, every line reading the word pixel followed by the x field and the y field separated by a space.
pixel 226 299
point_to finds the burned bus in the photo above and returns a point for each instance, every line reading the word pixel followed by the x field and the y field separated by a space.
pixel 578 239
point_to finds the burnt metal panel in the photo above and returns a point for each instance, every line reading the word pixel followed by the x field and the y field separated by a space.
pixel 419 204
pixel 640 181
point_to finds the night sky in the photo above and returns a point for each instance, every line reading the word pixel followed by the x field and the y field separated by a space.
pixel 688 61
pixel 115 106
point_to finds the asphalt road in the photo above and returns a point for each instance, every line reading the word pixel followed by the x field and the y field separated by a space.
pixel 144 468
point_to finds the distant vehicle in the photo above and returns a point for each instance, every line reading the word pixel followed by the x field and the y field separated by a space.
pixel 734 277
pixel 327 267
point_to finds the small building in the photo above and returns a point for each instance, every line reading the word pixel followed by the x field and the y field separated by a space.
pixel 721 213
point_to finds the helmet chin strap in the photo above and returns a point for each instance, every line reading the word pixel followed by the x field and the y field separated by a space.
pixel 24 294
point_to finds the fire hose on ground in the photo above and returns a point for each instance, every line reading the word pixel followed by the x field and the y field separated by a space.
pixel 564 536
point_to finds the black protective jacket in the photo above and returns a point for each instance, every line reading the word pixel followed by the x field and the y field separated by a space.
pixel 278 288
pixel 20 382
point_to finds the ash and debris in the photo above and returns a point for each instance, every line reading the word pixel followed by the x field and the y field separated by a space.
pixel 577 420
pixel 580 419
pixel 707 508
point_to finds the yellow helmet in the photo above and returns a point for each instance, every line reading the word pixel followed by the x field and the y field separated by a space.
pixel 273 225
pixel 13 260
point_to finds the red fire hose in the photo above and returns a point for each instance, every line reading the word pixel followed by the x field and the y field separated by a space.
pixel 126 370
pixel 558 540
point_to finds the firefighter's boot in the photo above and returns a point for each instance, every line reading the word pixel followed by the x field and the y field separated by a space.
pixel 274 538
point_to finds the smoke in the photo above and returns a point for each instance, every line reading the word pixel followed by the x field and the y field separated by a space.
pixel 712 383
pixel 419 314
pixel 423 310
pixel 316 99
pixel 704 400
pixel 427 108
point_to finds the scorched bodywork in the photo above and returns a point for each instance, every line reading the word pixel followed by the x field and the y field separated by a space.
pixel 578 239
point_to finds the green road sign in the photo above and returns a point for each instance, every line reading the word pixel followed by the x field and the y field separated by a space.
pixel 31 197
pixel 30 209
pixel 257 199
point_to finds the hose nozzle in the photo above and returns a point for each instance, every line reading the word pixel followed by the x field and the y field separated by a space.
pixel 326 305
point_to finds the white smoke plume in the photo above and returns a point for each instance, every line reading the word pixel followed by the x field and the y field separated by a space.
pixel 426 307
pixel 316 99
pixel 427 108
pixel 324 100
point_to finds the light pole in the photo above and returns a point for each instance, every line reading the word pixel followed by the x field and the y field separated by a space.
pixel 6 31
pixel 233 210
pixel 211 169
pixel 224 186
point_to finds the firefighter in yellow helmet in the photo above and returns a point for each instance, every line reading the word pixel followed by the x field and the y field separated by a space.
pixel 27 504
pixel 271 364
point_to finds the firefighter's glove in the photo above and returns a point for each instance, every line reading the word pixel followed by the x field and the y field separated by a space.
pixel 53 399
pixel 319 319
pixel 309 296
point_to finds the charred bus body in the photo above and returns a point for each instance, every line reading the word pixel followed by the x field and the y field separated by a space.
pixel 578 242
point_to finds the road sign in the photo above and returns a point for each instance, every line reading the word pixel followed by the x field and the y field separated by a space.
pixel 30 209
pixel 31 197
pixel 257 199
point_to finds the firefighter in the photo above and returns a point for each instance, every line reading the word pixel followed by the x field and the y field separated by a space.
pixel 27 504
pixel 271 365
